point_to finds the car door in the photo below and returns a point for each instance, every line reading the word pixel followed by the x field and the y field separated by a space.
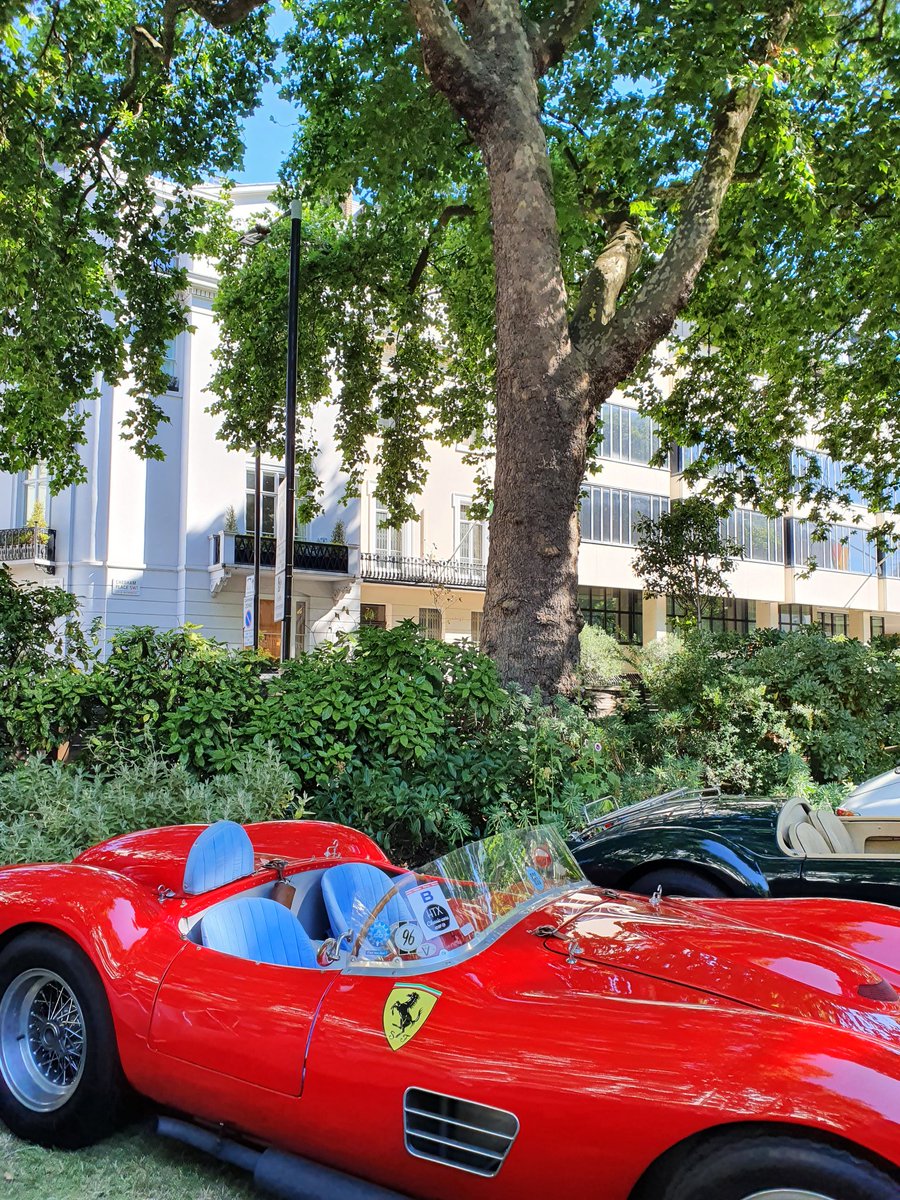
pixel 246 1020
pixel 854 878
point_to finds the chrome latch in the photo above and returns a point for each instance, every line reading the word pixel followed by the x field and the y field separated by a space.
pixel 657 896
pixel 163 893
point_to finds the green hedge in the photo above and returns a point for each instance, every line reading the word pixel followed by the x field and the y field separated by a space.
pixel 410 739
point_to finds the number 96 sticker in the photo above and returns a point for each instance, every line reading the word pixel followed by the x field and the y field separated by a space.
pixel 407 937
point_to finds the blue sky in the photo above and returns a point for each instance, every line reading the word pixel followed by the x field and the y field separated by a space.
pixel 269 132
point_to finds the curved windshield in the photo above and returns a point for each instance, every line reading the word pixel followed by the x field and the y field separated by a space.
pixel 458 902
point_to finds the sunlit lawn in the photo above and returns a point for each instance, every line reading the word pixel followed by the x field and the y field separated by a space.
pixel 135 1165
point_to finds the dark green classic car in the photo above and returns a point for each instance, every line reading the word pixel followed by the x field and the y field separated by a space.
pixel 709 844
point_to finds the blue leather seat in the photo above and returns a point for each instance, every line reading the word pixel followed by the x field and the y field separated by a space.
pixel 352 890
pixel 260 930
pixel 222 853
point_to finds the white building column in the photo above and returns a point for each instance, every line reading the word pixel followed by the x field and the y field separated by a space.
pixel 654 618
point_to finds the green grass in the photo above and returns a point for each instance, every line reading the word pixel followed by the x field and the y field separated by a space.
pixel 135 1165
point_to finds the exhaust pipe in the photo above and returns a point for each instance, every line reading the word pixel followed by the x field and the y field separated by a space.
pixel 286 1176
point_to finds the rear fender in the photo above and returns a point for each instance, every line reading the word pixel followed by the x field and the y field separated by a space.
pixel 128 936
pixel 714 857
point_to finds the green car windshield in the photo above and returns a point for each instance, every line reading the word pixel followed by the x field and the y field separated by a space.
pixel 456 905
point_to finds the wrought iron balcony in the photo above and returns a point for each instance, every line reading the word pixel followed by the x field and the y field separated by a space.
pixel 236 550
pixel 399 568
pixel 28 544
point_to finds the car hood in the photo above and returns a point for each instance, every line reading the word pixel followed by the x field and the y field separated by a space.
pixel 704 947
pixel 729 813
pixel 883 790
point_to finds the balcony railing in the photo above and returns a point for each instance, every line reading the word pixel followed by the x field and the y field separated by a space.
pixel 399 568
pixel 236 550
pixel 29 545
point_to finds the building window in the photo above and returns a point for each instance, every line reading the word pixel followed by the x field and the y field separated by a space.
pixel 620 611
pixel 627 435
pixel 876 627
pixel 762 537
pixel 834 624
pixel 36 495
pixel 170 365
pixel 471 536
pixel 844 548
pixel 792 617
pixel 890 565
pixel 830 473
pixel 271 478
pixel 388 538
pixel 431 623
pixel 611 515
pixel 722 615
pixel 475 627
pixel 373 616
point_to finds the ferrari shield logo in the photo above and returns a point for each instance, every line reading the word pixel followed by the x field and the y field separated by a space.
pixel 405 1012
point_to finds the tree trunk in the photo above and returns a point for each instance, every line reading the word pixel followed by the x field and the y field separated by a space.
pixel 531 620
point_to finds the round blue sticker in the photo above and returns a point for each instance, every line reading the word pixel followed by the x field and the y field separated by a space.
pixel 534 877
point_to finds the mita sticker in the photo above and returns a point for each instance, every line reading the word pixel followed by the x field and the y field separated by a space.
pixel 431 909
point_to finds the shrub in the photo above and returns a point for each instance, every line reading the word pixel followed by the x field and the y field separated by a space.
pixel 51 812
pixel 603 660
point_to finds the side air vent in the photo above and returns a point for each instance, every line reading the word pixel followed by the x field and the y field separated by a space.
pixel 456 1132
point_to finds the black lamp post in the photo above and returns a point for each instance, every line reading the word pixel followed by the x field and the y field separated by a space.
pixel 290 428
pixel 252 238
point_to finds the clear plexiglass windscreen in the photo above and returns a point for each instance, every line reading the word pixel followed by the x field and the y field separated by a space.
pixel 459 900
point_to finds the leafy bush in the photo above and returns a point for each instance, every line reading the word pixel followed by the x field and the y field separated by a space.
pixel 51 812
pixel 772 713
pixel 37 623
pixel 414 741
pixel 603 660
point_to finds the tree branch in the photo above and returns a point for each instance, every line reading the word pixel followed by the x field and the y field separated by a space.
pixel 451 211
pixel 613 268
pixel 650 315
pixel 450 63
pixel 558 31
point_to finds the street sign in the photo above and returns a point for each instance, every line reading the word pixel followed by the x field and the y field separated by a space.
pixel 248 620
pixel 278 614
pixel 249 586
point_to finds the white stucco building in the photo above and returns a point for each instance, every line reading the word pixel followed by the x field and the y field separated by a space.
pixel 155 543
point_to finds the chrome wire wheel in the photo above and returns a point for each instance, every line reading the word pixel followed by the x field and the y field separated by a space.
pixel 788 1194
pixel 42 1040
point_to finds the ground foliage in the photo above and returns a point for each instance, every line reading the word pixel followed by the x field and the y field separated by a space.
pixel 416 742
pixel 410 739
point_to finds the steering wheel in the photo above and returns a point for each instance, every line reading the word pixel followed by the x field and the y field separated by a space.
pixel 377 910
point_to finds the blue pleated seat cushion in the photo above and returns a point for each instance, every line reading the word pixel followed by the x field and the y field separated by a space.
pixel 351 891
pixel 222 853
pixel 259 929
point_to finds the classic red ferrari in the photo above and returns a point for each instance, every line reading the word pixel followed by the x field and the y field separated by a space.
pixel 486 1026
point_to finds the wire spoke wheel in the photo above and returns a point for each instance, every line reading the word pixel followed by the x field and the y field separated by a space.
pixel 788 1194
pixel 42 1040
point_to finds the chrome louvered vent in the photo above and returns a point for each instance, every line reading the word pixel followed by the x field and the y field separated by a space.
pixel 457 1133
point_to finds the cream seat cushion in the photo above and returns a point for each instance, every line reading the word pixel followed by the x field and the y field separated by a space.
pixel 832 829
pixel 812 843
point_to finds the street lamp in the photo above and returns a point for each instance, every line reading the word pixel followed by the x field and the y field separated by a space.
pixel 248 240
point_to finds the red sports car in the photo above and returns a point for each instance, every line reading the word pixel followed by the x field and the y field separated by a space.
pixel 486 1026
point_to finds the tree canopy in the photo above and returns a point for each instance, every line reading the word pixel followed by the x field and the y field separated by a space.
pixel 96 98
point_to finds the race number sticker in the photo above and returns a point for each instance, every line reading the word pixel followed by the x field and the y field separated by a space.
pixel 431 909
pixel 407 937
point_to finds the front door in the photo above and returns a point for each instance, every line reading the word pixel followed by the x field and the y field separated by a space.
pixel 860 878
pixel 247 1020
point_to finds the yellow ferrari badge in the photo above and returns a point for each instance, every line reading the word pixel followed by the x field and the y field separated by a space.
pixel 405 1012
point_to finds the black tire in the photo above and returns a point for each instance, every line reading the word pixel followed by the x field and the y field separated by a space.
pixel 739 1168
pixel 678 881
pixel 38 1100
